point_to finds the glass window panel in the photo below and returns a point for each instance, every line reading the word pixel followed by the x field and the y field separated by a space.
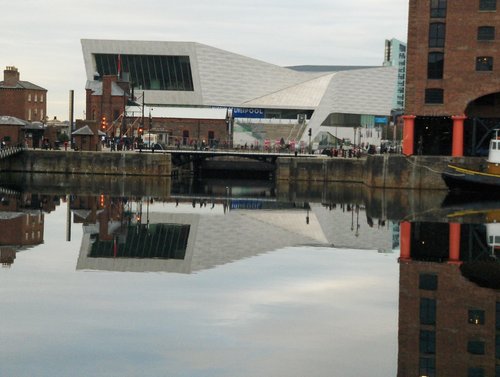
pixel 150 72
pixel 435 65
pixel 484 63
pixel 487 5
pixel 475 347
pixel 427 342
pixel 427 367
pixel 428 282
pixel 427 311
pixel 436 34
pixel 476 316
pixel 475 372
pixel 438 8
pixel 434 96
pixel 486 33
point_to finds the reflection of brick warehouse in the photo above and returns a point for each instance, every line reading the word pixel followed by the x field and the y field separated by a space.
pixel 97 209
pixel 21 228
pixel 7 256
pixel 447 324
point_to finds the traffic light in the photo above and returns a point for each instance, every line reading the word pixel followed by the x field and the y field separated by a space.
pixel 309 132
pixel 140 130
pixel 104 124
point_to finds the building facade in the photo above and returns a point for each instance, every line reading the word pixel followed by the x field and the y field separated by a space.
pixel 453 77
pixel 262 98
pixel 22 99
pixel 395 56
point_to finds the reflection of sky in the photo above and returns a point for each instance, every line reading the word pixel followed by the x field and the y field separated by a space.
pixel 294 312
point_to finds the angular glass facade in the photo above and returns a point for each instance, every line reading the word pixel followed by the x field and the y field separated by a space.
pixel 149 72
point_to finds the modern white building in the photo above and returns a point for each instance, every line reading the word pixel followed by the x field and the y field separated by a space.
pixel 334 102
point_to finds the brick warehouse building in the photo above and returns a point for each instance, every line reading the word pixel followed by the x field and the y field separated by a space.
pixel 453 77
pixel 109 102
pixel 22 99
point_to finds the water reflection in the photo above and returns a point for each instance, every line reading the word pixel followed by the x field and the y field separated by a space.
pixel 449 305
pixel 200 225
pixel 447 249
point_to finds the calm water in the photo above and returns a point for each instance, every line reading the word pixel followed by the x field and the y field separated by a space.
pixel 229 279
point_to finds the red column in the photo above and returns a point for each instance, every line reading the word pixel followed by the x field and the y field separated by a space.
pixel 405 241
pixel 408 134
pixel 458 135
pixel 454 252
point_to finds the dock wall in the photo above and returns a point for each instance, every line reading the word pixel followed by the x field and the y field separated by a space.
pixel 379 171
pixel 102 163
pixel 382 171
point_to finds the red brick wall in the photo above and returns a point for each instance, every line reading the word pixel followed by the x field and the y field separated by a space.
pixel 198 129
pixel 461 82
pixel 455 296
pixel 15 133
pixel 24 230
pixel 16 103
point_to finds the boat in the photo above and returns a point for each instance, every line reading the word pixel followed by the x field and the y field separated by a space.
pixel 487 182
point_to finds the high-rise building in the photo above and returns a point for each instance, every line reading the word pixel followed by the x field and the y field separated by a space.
pixel 395 56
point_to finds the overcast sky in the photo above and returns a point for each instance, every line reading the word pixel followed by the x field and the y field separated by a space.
pixel 42 38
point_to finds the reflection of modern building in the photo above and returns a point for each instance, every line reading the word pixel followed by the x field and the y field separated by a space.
pixel 190 239
pixel 447 324
pixel 266 101
pixel 192 235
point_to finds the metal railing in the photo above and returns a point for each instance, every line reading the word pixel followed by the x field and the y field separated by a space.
pixel 9 151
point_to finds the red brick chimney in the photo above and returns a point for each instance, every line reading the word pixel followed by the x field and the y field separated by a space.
pixel 10 76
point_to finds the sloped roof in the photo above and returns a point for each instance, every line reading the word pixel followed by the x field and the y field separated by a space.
pixel 220 78
pixel 365 91
pixel 13 121
pixel 21 85
pixel 306 95
pixel 83 131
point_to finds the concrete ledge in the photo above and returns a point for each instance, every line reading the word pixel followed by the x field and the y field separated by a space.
pixel 105 163
pixel 382 171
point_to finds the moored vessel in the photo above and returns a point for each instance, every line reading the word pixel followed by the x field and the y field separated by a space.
pixel 459 178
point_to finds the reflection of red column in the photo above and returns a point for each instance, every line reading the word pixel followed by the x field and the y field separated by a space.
pixel 408 134
pixel 458 136
pixel 405 241
pixel 454 252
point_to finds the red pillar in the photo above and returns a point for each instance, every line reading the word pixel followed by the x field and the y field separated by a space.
pixel 405 241
pixel 408 134
pixel 454 252
pixel 458 135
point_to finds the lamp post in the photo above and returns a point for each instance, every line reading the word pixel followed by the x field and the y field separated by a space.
pixel 309 132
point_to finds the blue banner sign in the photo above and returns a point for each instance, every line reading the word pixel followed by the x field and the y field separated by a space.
pixel 245 204
pixel 380 120
pixel 242 112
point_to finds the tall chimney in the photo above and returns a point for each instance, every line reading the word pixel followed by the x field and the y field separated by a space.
pixel 10 76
